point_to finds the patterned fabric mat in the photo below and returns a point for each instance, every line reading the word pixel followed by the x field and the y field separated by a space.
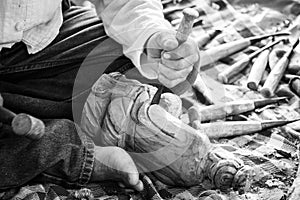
pixel 272 153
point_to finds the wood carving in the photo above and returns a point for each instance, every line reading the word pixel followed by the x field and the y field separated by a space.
pixel 161 143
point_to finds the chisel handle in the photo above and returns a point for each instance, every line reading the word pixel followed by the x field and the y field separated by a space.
pixel 274 77
pixel 23 124
pixel 257 70
pixel 233 70
pixel 26 125
pixel 277 72
pixel 214 54
pixel 6 116
pixel 221 111
pixel 183 32
pixel 186 25
pixel 228 129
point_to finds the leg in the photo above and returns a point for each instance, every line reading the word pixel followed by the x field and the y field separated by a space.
pixel 64 156
pixel 41 85
pixel 78 56
pixel 62 147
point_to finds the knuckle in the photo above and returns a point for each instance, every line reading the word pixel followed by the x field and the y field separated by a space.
pixel 195 57
pixel 187 62
pixel 173 83
pixel 171 64
pixel 180 80
pixel 162 80
pixel 189 69
pixel 168 84
pixel 185 73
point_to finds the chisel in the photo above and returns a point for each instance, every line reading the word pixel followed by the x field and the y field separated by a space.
pixel 214 54
pixel 182 35
pixel 277 73
pixel 257 70
pixel 221 111
pixel 237 67
pixel 237 128
pixel 22 124
pixel 205 38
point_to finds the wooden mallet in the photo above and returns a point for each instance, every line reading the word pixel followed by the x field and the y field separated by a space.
pixel 22 124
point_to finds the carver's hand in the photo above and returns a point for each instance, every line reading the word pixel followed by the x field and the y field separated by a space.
pixel 174 61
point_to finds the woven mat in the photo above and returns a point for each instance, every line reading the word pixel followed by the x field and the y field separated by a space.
pixel 272 153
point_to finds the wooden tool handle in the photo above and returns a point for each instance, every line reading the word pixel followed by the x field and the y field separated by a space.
pixel 274 77
pixel 6 116
pixel 284 91
pixel 214 54
pixel 22 124
pixel 229 129
pixel 221 111
pixel 186 25
pixel 204 39
pixel 233 70
pixel 183 32
pixel 277 72
pixel 257 70
pixel 29 126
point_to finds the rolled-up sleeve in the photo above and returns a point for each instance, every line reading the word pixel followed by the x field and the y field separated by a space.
pixel 131 23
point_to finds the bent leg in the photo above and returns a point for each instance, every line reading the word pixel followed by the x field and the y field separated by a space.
pixel 42 85
pixel 63 156
pixel 79 55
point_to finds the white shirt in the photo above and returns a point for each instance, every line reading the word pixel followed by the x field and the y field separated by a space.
pixel 37 23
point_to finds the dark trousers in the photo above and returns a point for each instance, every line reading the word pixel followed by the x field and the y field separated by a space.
pixel 44 84
pixel 54 84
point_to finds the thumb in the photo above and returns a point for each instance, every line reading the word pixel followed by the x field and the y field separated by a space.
pixel 166 41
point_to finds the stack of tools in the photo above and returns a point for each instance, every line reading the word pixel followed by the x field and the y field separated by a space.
pixel 257 69
pixel 261 79
pixel 199 115
pixel 255 63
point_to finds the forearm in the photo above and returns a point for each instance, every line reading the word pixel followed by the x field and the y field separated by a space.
pixel 131 23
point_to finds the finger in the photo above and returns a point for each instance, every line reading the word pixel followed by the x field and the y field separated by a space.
pixel 165 40
pixel 172 74
pixel 181 63
pixel 169 83
pixel 132 179
pixel 185 49
pixel 139 186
